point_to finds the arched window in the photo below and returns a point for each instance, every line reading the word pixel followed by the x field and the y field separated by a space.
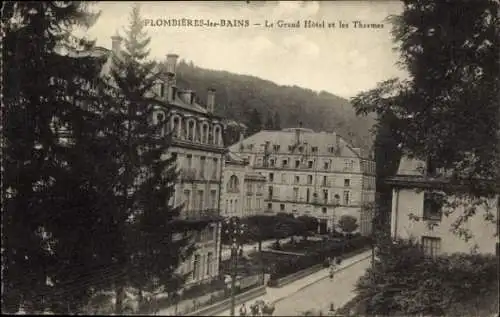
pixel 190 131
pixel 233 184
pixel 175 126
pixel 216 135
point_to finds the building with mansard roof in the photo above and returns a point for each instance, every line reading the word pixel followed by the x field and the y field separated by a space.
pixel 312 173
pixel 198 148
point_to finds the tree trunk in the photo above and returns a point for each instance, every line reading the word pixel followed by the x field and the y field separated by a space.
pixel 120 295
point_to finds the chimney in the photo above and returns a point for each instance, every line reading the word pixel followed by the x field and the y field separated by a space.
pixel 188 96
pixel 191 96
pixel 172 63
pixel 116 43
pixel 297 133
pixel 171 89
pixel 211 100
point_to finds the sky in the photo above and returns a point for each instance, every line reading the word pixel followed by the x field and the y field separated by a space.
pixel 342 61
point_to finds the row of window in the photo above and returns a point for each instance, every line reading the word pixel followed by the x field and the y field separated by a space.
pixel 202 266
pixel 203 166
pixel 324 198
pixel 301 148
pixel 301 164
pixel 232 206
pixel 309 180
pixel 233 186
pixel 197 202
pixel 191 131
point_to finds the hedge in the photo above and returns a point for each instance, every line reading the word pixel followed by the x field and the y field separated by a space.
pixel 285 267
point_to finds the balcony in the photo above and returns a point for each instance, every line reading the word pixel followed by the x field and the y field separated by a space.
pixel 204 214
pixel 188 174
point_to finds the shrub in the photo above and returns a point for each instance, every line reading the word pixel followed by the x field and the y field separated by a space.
pixel 404 281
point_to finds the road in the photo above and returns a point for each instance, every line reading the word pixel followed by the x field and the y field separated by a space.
pixel 316 291
pixel 320 294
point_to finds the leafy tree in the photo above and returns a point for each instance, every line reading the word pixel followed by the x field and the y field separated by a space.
pixel 154 240
pixel 447 112
pixel 403 281
pixel 310 224
pixel 254 122
pixel 348 224
pixel 277 121
pixel 56 227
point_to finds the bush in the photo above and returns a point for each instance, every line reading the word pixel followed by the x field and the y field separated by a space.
pixel 404 281
pixel 285 267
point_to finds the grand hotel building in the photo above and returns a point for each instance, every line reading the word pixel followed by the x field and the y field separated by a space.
pixel 312 173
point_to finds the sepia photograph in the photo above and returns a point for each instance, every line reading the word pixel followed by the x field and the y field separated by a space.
pixel 250 158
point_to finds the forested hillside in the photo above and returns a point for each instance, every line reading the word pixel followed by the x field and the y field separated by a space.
pixel 242 98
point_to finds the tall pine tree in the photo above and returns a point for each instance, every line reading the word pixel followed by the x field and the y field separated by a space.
pixel 277 121
pixel 150 251
pixel 54 219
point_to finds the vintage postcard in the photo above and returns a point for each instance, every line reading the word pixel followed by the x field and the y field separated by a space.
pixel 250 158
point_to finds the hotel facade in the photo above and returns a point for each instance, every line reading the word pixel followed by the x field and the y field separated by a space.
pixel 312 173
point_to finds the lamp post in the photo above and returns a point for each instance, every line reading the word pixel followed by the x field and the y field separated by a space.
pixel 234 230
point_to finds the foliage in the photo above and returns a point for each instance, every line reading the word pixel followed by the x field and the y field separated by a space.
pixel 254 123
pixel 348 224
pixel 403 281
pixel 154 242
pixel 56 225
pixel 447 111
pixel 310 225
pixel 287 266
pixel 239 94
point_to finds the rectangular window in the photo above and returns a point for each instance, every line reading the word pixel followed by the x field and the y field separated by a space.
pixel 249 188
pixel 297 164
pixel 215 167
pixel 347 182
pixel 269 206
pixel 283 178
pixel 346 197
pixel 271 162
pixel 432 207
pixel 297 179
pixel 187 199
pixel 210 260
pixel 202 167
pixel 308 195
pixel 196 267
pixel 271 177
pixel 285 163
pixel 325 183
pixel 295 193
pixel 325 195
pixel 325 165
pixel 314 149
pixel 431 246
pixel 189 159
pixel 200 200
pixel 310 164
pixel 249 204
pixel 323 210
pixel 309 179
pixel 213 199
pixel 282 207
pixel 276 147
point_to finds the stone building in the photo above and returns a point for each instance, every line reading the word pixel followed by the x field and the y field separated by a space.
pixel 419 214
pixel 312 173
pixel 199 151
pixel 243 189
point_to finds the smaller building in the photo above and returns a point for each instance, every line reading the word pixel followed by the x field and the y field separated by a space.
pixel 243 189
pixel 420 210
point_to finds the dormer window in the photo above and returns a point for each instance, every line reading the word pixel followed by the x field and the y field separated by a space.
pixel 314 149
pixel 301 149
pixel 276 147
pixel 290 148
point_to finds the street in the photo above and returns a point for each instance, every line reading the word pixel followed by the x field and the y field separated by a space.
pixel 297 297
pixel 319 295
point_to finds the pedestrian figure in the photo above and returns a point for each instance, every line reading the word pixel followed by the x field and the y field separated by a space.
pixel 331 312
pixel 254 309
pixel 243 310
